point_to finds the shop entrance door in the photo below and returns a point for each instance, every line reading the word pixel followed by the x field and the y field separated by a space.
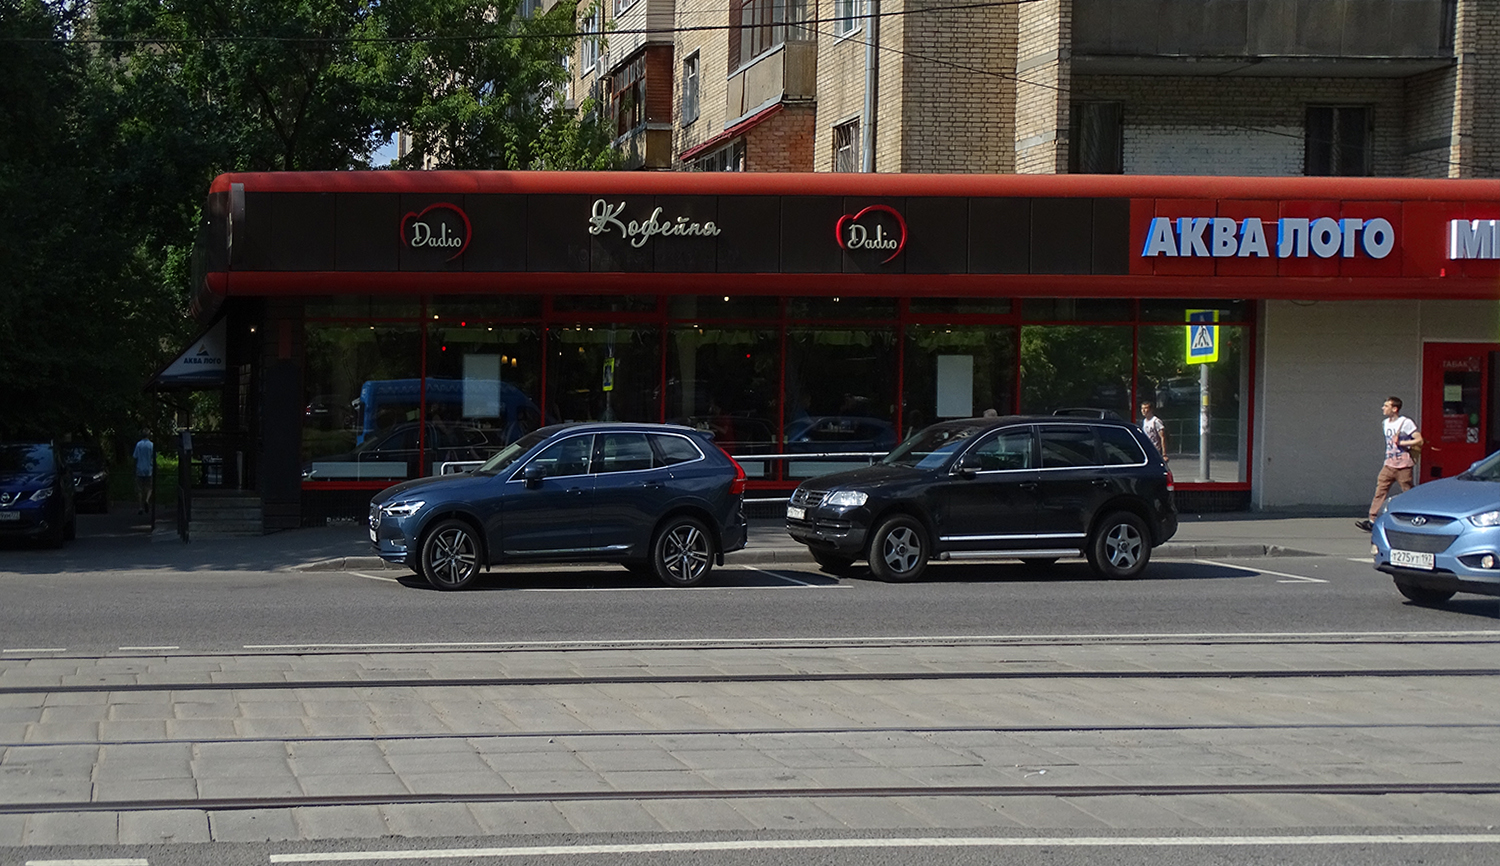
pixel 1459 406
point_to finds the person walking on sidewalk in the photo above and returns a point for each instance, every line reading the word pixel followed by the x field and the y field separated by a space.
pixel 145 467
pixel 1401 439
pixel 1153 427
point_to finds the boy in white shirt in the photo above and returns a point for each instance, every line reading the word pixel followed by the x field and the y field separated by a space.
pixel 1153 427
pixel 1400 436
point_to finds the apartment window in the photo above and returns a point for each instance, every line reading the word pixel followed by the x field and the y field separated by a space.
pixel 593 22
pixel 1096 138
pixel 847 15
pixel 690 90
pixel 731 157
pixel 846 146
pixel 757 26
pixel 1337 141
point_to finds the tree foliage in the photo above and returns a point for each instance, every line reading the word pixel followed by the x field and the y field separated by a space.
pixel 116 114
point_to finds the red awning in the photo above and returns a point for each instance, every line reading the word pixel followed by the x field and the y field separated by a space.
pixel 732 132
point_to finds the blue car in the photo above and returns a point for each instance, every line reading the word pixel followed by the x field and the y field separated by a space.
pixel 1443 537
pixel 659 499
pixel 36 494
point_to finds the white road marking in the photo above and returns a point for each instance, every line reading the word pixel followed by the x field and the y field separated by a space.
pixel 965 638
pixel 144 648
pixel 115 861
pixel 788 579
pixel 36 649
pixel 1363 560
pixel 374 577
pixel 917 842
pixel 1293 578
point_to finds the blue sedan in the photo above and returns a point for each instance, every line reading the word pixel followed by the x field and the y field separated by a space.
pixel 1444 536
pixel 659 499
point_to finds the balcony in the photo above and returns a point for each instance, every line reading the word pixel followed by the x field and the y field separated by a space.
pixel 1337 38
pixel 788 71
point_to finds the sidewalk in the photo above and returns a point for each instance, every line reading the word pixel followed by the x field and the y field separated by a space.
pixel 123 541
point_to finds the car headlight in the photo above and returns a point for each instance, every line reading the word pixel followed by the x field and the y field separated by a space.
pixel 403 509
pixel 846 499
pixel 42 495
pixel 1489 518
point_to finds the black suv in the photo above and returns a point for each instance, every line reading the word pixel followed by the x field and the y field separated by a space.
pixel 1035 489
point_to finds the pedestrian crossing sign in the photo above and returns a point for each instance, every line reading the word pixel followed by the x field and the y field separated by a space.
pixel 1202 336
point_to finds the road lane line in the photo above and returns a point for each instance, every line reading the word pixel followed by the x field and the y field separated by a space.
pixel 36 649
pixel 1293 577
pixel 144 648
pixel 374 577
pixel 108 861
pixel 778 576
pixel 898 842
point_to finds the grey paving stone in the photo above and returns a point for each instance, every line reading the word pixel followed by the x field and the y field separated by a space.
pixel 134 730
pixel 931 756
pixel 956 813
pixel 63 732
pixel 468 761
pixel 137 790
pixel 154 711
pixel 1042 813
pixel 608 816
pixel 19 789
pixel 353 783
pixel 200 730
pixel 270 728
pixel 166 826
pixel 429 819
pixel 785 813
pixel 619 760
pixel 356 750
pixel 696 815
pixel 428 747
pixel 65 714
pixel 271 709
pixel 456 783
pixel 1223 811
pixel 253 825
pixel 13 732
pixel 859 777
pixel 72 828
pixel 12 829
pixel 340 822
pixel 825 757
pixel 655 780
pixel 727 759
pixel 869 813
pixel 526 817
pixel 236 788
pixel 1131 812
pixel 237 768
pixel 547 781
pixel 352 763
pixel 51 759
pixel 757 778
pixel 518 762
pixel 205 710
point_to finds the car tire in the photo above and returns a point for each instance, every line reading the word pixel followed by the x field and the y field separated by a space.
pixel 1423 595
pixel 682 554
pixel 1121 546
pixel 898 550
pixel 833 563
pixel 1038 561
pixel 450 555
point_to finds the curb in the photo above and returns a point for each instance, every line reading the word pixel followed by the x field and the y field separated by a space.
pixel 799 555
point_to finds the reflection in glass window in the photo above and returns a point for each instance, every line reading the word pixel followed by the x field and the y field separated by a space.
pixel 707 308
pixel 1067 447
pixel 1119 447
pixel 568 457
pixel 724 381
pixel 674 449
pixel 958 372
pixel 1174 311
pixel 1077 309
pixel 841 387
pixel 1175 387
pixel 604 373
pixel 363 402
pixel 1075 366
pixel 485 380
pixel 825 309
pixel 624 452
pixel 1006 451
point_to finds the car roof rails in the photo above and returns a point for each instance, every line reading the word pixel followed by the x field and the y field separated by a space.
pixel 1087 412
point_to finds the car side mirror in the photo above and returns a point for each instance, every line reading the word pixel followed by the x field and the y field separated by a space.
pixel 533 475
pixel 968 466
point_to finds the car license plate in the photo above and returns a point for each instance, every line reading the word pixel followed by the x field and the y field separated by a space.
pixel 10 515
pixel 795 513
pixel 1412 559
pixel 373 540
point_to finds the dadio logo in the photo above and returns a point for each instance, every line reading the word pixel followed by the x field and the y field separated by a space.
pixel 440 227
pixel 1221 237
pixel 865 231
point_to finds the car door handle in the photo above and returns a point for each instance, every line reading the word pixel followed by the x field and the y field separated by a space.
pixel 1101 482
pixel 1028 485
pixel 652 485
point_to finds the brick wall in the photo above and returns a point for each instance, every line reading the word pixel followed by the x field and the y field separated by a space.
pixel 958 115
pixel 660 72
pixel 784 142
pixel 1044 40
pixel 713 70
pixel 1475 148
pixel 1241 125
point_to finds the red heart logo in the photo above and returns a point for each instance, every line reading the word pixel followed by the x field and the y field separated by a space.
pixel 846 219
pixel 416 215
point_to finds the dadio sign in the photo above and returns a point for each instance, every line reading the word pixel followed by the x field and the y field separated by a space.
pixel 1222 237
pixel 440 230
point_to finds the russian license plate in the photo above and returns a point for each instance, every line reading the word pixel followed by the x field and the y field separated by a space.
pixel 10 515
pixel 1411 559
pixel 372 536
pixel 795 513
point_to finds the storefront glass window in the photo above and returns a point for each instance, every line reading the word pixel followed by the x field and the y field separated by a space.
pixel 840 392
pixel 483 389
pixel 364 307
pixel 1077 309
pixel 724 381
pixel 957 372
pixel 1175 387
pixel 604 303
pixel 1075 366
pixel 1170 310
pixel 459 308
pixel 961 306
pixel 604 372
pixel 707 308
pixel 836 309
pixel 362 385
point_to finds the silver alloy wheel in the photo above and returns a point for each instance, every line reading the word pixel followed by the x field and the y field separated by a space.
pixel 902 550
pixel 1122 546
pixel 451 557
pixel 685 553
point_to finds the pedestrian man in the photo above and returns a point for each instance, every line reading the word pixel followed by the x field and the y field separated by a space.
pixel 1401 440
pixel 1154 429
pixel 145 468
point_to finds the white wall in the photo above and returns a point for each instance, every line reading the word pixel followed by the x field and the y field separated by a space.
pixel 1325 367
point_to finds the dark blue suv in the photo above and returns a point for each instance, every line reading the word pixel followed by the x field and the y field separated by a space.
pixel 36 493
pixel 661 500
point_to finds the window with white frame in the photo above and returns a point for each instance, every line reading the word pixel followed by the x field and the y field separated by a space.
pixel 846 146
pixel 593 28
pixel 690 89
pixel 847 14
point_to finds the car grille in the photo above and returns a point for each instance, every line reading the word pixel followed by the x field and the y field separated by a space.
pixel 6 498
pixel 1418 542
pixel 1431 521
pixel 808 496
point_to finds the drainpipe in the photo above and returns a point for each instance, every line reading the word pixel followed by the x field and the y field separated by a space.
pixel 872 76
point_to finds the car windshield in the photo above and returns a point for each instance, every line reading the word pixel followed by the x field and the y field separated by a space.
pixel 1487 469
pixel 930 448
pixel 25 458
pixel 86 458
pixel 512 452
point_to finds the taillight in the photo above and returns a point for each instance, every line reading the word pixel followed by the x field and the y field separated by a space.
pixel 1170 485
pixel 737 486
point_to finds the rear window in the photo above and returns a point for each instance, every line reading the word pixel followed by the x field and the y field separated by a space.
pixel 1067 447
pixel 1120 448
pixel 675 449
